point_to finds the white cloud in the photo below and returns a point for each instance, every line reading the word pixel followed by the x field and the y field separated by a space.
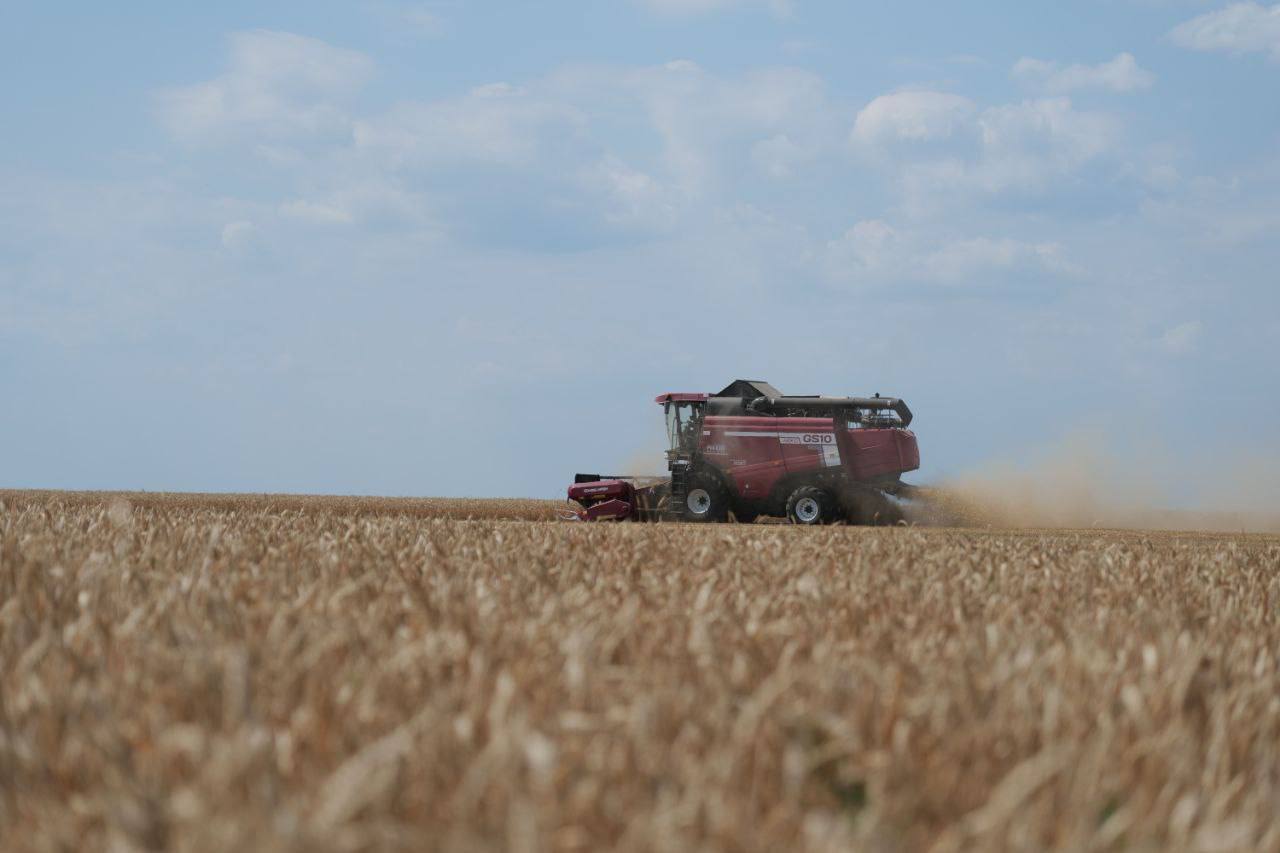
pixel 289 101
pixel 368 199
pixel 681 8
pixel 631 147
pixel 912 116
pixel 497 90
pixel 1183 338
pixel 778 155
pixel 277 85
pixel 317 213
pixel 699 118
pixel 422 21
pixel 1021 146
pixel 409 20
pixel 633 197
pixel 552 144
pixel 1048 128
pixel 1121 74
pixel 968 259
pixel 1238 28
pixel 238 236
pixel 869 246
pixel 1230 213
pixel 497 123
pixel 874 252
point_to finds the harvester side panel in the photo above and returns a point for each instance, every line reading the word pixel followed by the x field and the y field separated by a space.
pixel 754 453
pixel 872 453
pixel 747 451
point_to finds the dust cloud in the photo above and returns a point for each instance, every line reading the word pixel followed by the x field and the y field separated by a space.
pixel 1081 481
pixel 649 459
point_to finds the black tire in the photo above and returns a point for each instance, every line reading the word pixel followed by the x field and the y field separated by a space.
pixel 706 501
pixel 811 505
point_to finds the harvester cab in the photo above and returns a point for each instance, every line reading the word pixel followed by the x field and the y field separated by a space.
pixel 751 450
pixel 684 425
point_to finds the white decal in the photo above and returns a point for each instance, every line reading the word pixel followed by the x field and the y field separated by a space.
pixel 811 439
pixel 831 455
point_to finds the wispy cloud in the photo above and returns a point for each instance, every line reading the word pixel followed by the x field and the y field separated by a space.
pixel 874 252
pixel 1121 74
pixel 277 86
pixel 681 8
pixel 912 116
pixel 422 21
pixel 1238 28
pixel 940 145
pixel 1182 338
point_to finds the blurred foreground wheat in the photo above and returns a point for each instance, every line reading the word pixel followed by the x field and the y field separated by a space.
pixel 203 673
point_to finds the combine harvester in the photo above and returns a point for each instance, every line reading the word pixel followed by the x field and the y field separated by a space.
pixel 751 451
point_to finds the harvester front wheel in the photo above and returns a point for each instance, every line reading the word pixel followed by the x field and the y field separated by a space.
pixel 811 505
pixel 705 500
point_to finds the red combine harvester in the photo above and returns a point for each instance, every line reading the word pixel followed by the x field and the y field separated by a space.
pixel 751 450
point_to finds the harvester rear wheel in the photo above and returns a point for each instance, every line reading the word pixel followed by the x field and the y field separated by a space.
pixel 705 500
pixel 812 505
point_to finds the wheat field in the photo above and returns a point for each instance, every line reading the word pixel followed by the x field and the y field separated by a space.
pixel 189 672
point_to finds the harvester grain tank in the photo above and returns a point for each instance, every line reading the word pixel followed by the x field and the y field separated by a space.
pixel 751 450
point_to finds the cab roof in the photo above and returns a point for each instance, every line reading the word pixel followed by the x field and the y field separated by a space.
pixel 680 398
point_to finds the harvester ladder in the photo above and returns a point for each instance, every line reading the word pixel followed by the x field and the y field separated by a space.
pixel 679 488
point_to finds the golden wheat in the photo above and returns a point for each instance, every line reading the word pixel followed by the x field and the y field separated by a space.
pixel 210 673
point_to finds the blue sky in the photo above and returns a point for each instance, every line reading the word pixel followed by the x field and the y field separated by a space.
pixel 456 248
